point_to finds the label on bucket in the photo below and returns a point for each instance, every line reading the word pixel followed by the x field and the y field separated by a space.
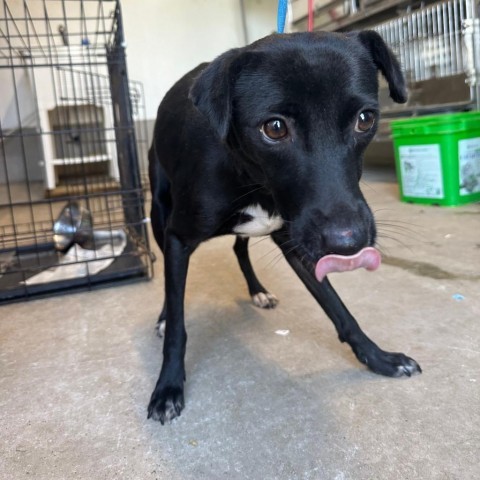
pixel 421 170
pixel 469 165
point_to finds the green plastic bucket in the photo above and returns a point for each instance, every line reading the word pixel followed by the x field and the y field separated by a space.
pixel 437 158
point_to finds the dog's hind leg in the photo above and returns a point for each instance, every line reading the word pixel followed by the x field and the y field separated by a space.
pixel 260 296
pixel 159 214
pixel 162 318
pixel 377 360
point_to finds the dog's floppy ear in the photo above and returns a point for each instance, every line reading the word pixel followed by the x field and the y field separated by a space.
pixel 211 91
pixel 386 62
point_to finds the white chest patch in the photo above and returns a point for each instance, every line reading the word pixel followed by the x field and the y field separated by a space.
pixel 259 223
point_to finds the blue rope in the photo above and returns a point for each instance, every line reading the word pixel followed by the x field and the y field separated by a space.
pixel 281 15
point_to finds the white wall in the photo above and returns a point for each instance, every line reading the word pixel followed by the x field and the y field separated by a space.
pixel 167 38
pixel 261 18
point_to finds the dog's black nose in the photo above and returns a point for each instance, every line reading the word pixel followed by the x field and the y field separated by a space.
pixel 343 241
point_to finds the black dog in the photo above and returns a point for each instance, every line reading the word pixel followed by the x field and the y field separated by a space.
pixel 268 140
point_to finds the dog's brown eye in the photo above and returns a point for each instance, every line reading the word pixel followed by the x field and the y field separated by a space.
pixel 275 129
pixel 365 121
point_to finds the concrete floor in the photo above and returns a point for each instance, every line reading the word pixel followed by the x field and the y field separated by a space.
pixel 76 372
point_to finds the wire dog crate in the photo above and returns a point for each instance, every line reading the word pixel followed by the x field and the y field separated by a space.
pixel 71 196
pixel 439 49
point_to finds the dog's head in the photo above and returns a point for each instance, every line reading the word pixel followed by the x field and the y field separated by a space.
pixel 300 110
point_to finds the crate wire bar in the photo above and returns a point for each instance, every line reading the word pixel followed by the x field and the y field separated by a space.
pixel 72 132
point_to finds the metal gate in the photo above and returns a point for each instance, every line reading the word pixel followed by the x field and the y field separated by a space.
pixel 439 49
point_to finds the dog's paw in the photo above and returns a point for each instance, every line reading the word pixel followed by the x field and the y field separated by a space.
pixel 393 364
pixel 166 404
pixel 407 367
pixel 265 300
pixel 160 328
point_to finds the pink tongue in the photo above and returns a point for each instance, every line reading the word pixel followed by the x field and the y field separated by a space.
pixel 368 258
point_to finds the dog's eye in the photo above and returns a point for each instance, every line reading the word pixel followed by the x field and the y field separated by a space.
pixel 275 129
pixel 365 121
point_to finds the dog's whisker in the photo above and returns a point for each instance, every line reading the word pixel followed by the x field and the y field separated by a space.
pixel 404 226
pixel 276 260
pixel 376 210
pixel 273 259
pixel 392 220
pixel 270 252
pixel 248 193
pixel 402 233
pixel 399 231
pixel 259 240
pixel 403 244
pixel 304 262
pixel 400 222
pixel 381 249
pixel 368 185
pixel 292 249
pixel 285 243
pixel 280 254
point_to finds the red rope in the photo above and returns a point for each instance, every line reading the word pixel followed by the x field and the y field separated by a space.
pixel 310 15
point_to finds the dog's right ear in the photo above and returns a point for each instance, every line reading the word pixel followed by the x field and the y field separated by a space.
pixel 211 91
pixel 386 62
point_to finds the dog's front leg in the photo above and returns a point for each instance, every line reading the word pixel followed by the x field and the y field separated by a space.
pixel 167 401
pixel 376 359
